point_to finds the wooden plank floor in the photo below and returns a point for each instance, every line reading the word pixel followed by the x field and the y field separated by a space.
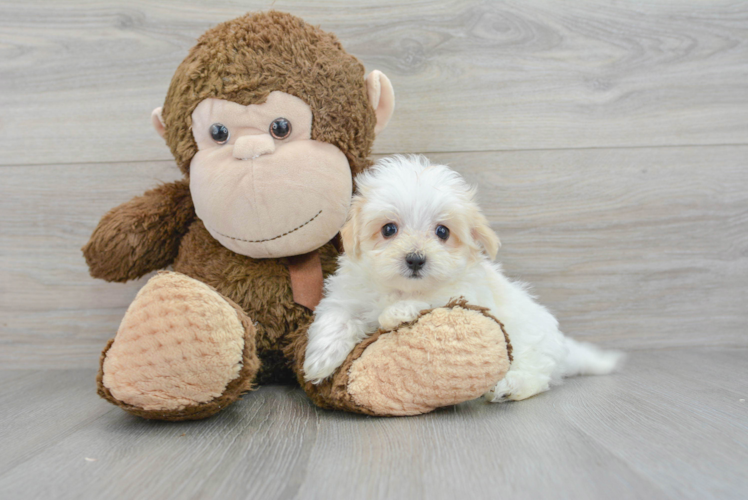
pixel 673 424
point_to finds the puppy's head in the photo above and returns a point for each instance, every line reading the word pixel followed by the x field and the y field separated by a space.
pixel 414 225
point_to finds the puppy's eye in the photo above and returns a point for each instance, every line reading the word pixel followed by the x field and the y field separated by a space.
pixel 442 232
pixel 389 230
pixel 219 133
pixel 280 128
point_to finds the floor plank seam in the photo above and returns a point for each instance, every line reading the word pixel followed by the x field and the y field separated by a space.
pixel 425 152
pixel 29 455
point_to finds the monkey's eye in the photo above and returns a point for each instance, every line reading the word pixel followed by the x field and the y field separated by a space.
pixel 442 232
pixel 219 133
pixel 389 230
pixel 280 128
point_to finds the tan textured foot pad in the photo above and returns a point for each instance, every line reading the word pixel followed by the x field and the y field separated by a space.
pixel 182 352
pixel 447 356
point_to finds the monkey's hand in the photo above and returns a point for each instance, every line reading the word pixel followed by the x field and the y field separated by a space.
pixel 141 235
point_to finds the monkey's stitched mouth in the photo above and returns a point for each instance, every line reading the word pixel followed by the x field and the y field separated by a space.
pixel 273 238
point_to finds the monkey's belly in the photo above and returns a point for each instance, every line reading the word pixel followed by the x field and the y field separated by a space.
pixel 261 287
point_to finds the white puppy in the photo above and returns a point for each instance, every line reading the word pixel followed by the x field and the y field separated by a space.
pixel 415 238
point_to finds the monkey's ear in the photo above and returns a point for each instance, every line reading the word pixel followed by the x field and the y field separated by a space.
pixel 158 122
pixel 381 97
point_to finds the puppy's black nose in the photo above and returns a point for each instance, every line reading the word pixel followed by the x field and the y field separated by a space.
pixel 415 261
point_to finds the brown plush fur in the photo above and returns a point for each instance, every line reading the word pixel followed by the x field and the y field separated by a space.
pixel 142 235
pixel 241 60
pixel 261 287
pixel 245 59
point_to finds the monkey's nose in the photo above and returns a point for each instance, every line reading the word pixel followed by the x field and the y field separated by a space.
pixel 415 261
pixel 248 147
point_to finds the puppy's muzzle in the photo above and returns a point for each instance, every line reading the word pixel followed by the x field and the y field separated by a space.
pixel 415 261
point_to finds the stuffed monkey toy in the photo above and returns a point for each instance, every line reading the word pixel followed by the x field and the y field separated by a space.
pixel 269 119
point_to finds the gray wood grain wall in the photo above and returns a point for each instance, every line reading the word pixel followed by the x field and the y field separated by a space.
pixel 609 139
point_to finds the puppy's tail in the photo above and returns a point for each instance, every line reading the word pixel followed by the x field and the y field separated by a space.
pixel 587 359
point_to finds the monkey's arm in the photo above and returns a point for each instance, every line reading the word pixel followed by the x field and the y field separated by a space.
pixel 141 235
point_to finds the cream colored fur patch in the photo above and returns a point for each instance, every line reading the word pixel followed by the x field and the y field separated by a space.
pixel 179 344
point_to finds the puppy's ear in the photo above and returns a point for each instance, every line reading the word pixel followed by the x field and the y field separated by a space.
pixel 350 233
pixel 484 235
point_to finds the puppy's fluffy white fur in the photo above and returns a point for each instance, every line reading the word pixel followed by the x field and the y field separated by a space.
pixel 375 287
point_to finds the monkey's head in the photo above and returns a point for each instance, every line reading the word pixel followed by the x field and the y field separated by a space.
pixel 270 118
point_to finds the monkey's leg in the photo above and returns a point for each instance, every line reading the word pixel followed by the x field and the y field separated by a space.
pixel 182 352
pixel 446 356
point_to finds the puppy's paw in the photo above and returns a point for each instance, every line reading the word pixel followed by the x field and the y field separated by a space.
pixel 401 312
pixel 322 361
pixel 331 339
pixel 518 385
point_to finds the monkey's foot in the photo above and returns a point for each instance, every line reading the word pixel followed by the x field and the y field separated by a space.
pixel 446 356
pixel 182 352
